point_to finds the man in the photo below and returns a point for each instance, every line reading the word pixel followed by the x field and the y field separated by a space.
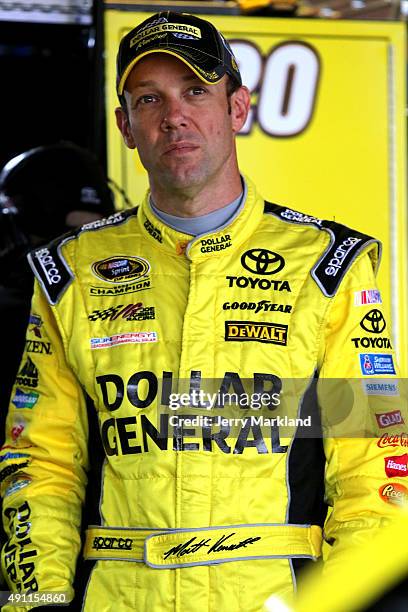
pixel 184 320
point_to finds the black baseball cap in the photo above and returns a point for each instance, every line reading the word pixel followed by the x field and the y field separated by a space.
pixel 194 41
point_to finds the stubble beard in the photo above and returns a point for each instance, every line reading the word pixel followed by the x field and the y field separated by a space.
pixel 184 178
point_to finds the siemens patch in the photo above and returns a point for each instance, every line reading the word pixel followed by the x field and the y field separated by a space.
pixel 380 387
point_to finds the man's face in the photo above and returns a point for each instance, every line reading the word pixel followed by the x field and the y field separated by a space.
pixel 181 127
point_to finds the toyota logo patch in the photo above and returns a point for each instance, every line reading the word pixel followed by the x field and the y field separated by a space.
pixel 373 322
pixel 262 261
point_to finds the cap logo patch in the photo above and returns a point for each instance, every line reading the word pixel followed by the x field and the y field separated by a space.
pixel 171 28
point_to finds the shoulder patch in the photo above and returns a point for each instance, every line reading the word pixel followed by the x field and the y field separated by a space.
pixel 51 270
pixel 115 219
pixel 293 216
pixel 345 245
pixel 49 265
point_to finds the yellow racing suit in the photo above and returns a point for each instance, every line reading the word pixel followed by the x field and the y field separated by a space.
pixel 200 502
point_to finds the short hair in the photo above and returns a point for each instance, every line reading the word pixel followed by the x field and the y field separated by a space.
pixel 232 85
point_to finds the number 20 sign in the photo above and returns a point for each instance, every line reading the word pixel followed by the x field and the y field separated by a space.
pixel 286 81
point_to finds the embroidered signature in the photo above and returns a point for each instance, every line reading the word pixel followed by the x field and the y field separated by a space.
pixel 192 546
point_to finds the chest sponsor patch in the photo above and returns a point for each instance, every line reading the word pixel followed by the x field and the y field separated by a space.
pixel 396 466
pixel 368 342
pixel 129 312
pixel 154 231
pixel 265 284
pixel 380 387
pixel 38 346
pixel 17 485
pixel 13 457
pixel 119 269
pixel 376 363
pixel 17 429
pixel 140 285
pixel 373 322
pixel 367 296
pixel 262 305
pixel 219 243
pixel 262 261
pixel 389 419
pixel 34 325
pixel 394 493
pixel 28 375
pixel 22 399
pixel 247 331
pixel 393 440
pixel 126 338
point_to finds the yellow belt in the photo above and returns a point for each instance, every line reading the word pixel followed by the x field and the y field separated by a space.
pixel 160 548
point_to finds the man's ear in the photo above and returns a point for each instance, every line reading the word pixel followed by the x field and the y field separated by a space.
pixel 122 121
pixel 240 105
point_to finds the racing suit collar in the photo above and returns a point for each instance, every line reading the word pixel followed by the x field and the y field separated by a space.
pixel 230 236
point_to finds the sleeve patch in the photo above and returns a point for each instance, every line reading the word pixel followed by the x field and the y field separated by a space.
pixel 50 267
pixel 51 270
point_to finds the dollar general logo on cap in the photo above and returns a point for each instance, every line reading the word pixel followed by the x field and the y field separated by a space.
pixel 172 28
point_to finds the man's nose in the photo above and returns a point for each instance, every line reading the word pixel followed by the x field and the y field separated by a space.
pixel 174 115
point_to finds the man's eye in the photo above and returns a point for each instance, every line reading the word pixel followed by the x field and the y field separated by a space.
pixel 147 99
pixel 197 91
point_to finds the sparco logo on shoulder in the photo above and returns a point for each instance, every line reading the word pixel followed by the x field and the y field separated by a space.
pixel 339 255
pixel 262 261
pixel 49 266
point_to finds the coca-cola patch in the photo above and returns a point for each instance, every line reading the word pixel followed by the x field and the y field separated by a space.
pixel 396 466
pixel 393 440
pixel 388 419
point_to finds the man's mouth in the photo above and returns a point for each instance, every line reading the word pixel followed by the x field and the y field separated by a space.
pixel 180 148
